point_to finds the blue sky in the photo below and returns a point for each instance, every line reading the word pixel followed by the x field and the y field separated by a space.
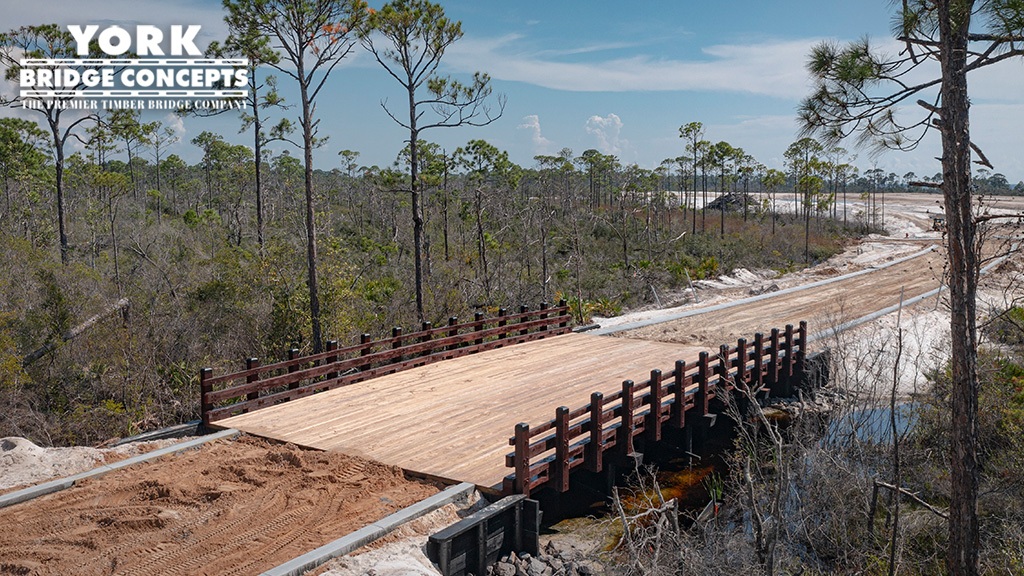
pixel 600 74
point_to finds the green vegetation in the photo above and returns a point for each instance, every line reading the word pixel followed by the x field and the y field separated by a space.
pixel 251 250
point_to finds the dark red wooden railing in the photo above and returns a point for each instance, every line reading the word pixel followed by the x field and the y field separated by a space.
pixel 545 455
pixel 259 385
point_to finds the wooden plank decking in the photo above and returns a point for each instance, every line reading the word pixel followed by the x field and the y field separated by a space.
pixel 453 419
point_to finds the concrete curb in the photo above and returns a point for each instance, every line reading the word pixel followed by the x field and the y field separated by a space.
pixel 758 298
pixel 59 484
pixel 368 534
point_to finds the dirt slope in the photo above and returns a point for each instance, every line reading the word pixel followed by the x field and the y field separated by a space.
pixel 237 507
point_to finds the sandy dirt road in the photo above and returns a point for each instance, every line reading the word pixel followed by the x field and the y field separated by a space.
pixel 909 218
pixel 821 307
pixel 232 507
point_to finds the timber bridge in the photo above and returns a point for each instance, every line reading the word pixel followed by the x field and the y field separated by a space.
pixel 472 401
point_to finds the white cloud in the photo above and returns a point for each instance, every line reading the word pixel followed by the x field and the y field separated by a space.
pixel 767 68
pixel 176 123
pixel 541 145
pixel 606 130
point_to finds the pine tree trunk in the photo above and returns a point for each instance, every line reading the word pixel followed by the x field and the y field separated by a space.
pixel 954 20
pixel 311 279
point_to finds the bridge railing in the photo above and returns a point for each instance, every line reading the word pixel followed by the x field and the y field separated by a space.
pixel 259 386
pixel 545 455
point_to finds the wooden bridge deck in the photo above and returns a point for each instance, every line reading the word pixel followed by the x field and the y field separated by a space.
pixel 452 420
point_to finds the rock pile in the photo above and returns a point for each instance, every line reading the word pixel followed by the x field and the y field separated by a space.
pixel 554 560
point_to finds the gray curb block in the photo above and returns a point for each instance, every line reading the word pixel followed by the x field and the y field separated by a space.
pixel 368 534
pixel 59 484
pixel 758 298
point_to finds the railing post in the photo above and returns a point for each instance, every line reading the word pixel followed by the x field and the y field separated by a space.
pixel 742 375
pixel 364 339
pixel 453 331
pixel 787 365
pixel 523 309
pixel 251 363
pixel 594 452
pixel 773 363
pixel 331 346
pixel 562 449
pixel 396 343
pixel 723 368
pixel 543 315
pixel 502 322
pixel 204 392
pixel 564 313
pixel 478 318
pixel 425 337
pixel 292 355
pixel 702 390
pixel 758 361
pixel 654 415
pixel 679 405
pixel 522 459
pixel 625 441
pixel 801 356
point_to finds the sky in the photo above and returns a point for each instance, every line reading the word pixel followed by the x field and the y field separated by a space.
pixel 594 74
